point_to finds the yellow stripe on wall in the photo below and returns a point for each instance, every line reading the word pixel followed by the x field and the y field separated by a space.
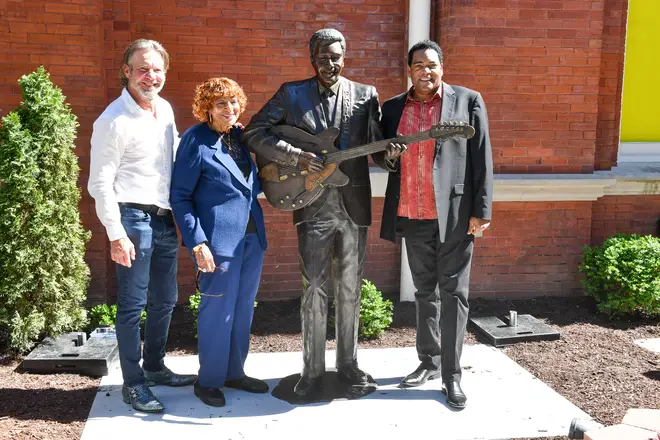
pixel 640 117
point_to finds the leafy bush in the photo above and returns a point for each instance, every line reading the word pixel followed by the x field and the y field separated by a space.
pixel 105 314
pixel 102 314
pixel 43 275
pixel 375 312
pixel 623 275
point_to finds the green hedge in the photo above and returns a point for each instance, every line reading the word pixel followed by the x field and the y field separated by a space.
pixel 43 274
pixel 623 275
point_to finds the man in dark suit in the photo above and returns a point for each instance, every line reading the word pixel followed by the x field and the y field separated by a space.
pixel 332 230
pixel 438 197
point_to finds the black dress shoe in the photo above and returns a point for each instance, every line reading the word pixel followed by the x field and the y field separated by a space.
pixel 419 377
pixel 308 385
pixel 210 396
pixel 455 396
pixel 249 384
pixel 352 375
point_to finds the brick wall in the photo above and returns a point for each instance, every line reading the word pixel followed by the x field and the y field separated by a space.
pixel 259 43
pixel 611 83
pixel 532 248
pixel 626 215
pixel 538 66
pixel 550 71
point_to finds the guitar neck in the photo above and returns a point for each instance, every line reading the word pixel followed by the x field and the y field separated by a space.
pixel 375 147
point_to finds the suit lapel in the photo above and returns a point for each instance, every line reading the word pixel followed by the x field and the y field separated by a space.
pixel 396 113
pixel 225 159
pixel 448 103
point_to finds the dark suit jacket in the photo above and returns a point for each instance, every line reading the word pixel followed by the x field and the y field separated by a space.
pixel 210 198
pixel 299 104
pixel 462 171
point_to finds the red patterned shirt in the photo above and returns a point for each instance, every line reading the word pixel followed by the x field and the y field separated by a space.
pixel 417 200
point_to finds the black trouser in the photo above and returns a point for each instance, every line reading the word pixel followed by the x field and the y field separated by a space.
pixel 332 250
pixel 441 275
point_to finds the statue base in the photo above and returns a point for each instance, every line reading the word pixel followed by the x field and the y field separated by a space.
pixel 332 389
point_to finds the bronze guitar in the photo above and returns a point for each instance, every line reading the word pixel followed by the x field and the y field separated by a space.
pixel 289 188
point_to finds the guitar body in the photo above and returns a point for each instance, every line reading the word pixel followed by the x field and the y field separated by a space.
pixel 289 188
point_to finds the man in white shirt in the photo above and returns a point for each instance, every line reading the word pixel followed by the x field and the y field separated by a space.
pixel 133 146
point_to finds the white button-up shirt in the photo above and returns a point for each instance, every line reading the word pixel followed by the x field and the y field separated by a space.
pixel 131 159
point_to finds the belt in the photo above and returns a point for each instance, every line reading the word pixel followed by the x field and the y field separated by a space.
pixel 151 209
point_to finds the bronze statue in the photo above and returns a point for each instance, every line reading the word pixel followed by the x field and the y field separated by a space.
pixel 332 229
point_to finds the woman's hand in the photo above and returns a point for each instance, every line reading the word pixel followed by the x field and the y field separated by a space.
pixel 204 258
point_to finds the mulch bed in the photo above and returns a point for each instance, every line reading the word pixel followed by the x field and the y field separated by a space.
pixel 595 364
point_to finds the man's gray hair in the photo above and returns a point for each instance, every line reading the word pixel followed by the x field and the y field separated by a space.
pixel 326 37
pixel 138 45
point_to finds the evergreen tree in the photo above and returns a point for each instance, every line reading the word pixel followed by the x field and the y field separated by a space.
pixel 43 274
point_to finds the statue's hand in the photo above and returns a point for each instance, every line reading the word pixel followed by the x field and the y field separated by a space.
pixel 310 162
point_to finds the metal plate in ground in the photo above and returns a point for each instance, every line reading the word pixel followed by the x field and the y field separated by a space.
pixel 60 354
pixel 499 333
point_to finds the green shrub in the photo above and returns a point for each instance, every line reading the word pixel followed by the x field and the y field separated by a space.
pixel 375 312
pixel 105 314
pixel 102 314
pixel 43 274
pixel 623 275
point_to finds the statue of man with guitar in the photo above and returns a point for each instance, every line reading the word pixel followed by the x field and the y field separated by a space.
pixel 331 202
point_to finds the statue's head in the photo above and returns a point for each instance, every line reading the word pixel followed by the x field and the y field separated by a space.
pixel 327 49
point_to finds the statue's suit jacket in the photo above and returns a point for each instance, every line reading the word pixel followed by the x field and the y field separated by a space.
pixel 462 170
pixel 299 104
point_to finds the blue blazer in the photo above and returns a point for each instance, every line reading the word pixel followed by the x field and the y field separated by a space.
pixel 210 198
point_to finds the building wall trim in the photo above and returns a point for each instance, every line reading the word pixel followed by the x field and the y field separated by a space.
pixel 638 152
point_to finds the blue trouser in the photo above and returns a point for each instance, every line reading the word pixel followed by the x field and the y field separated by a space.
pixel 150 282
pixel 225 313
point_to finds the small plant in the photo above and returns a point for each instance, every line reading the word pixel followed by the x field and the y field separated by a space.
pixel 375 312
pixel 43 274
pixel 623 275
pixel 193 305
pixel 104 314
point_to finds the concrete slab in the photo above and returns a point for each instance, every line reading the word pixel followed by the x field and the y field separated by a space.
pixel 652 344
pixel 504 401
pixel 644 418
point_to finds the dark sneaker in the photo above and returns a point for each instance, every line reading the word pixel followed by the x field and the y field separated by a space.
pixel 210 396
pixel 141 399
pixel 249 384
pixel 169 378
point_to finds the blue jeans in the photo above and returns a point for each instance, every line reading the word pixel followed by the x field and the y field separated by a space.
pixel 150 282
pixel 225 313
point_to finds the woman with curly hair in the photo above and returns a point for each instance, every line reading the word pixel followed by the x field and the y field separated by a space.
pixel 214 200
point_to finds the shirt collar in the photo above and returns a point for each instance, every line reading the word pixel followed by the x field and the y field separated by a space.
pixel 331 91
pixel 411 94
pixel 133 106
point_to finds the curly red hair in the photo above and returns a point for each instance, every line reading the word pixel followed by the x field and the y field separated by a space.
pixel 213 89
